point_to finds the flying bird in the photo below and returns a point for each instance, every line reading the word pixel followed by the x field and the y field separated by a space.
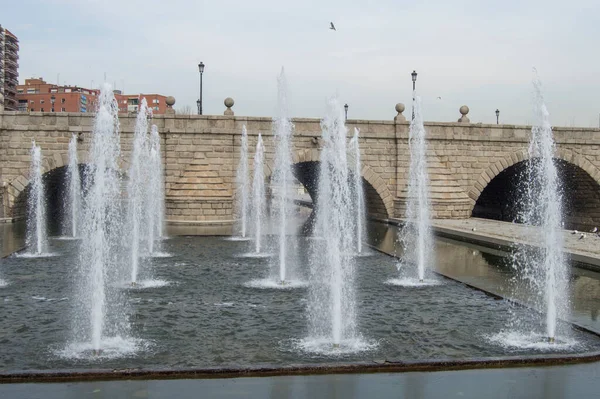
pixel 332 26
pixel 439 98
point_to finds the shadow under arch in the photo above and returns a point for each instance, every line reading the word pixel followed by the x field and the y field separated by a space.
pixel 502 199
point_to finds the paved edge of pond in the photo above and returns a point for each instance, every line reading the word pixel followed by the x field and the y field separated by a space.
pixel 382 366
pixel 448 229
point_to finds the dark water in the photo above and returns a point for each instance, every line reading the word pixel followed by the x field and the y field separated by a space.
pixel 207 317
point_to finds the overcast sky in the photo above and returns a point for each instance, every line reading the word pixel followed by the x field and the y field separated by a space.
pixel 473 52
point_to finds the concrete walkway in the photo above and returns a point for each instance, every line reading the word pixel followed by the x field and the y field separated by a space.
pixel 505 234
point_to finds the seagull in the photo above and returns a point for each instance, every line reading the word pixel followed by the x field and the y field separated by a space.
pixel 473 229
pixel 332 26
pixel 439 98
pixel 574 232
pixel 582 236
pixel 595 230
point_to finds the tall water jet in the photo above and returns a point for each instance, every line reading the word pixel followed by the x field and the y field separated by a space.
pixel 242 185
pixel 137 188
pixel 282 183
pixel 359 194
pixel 37 235
pixel 156 193
pixel 73 201
pixel 258 194
pixel 331 299
pixel 543 207
pixel 416 236
pixel 100 307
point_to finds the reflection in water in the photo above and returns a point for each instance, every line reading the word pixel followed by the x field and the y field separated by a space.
pixel 489 269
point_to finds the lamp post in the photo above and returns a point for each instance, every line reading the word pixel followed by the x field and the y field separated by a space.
pixel 52 100
pixel 346 110
pixel 414 80
pixel 497 116
pixel 199 102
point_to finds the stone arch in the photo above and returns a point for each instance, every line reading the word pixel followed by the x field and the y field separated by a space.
pixel 18 185
pixel 581 187
pixel 376 184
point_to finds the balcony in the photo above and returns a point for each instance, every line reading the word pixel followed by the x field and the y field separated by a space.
pixel 11 54
pixel 10 89
pixel 11 45
pixel 11 63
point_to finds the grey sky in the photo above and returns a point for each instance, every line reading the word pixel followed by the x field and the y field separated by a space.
pixel 473 52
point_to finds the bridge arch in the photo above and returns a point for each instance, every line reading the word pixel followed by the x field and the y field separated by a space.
pixel 495 192
pixel 379 201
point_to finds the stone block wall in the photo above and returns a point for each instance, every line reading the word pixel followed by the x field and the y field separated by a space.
pixel 201 154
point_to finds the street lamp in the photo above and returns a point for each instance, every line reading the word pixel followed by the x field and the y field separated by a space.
pixel 199 102
pixel 346 110
pixel 497 116
pixel 414 80
pixel 52 100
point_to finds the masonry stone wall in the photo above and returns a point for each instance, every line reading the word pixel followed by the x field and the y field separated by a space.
pixel 201 154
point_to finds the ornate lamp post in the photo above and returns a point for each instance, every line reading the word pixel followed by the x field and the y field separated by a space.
pixel 199 102
pixel 497 116
pixel 414 80
pixel 346 110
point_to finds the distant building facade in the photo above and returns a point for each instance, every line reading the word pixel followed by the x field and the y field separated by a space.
pixel 9 68
pixel 36 95
pixel 131 102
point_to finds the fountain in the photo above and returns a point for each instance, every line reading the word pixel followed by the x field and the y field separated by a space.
pixel 281 184
pixel 359 194
pixel 545 269
pixel 416 237
pixel 258 195
pixel 73 201
pixel 242 185
pixel 99 322
pixel 155 209
pixel 137 190
pixel 331 292
pixel 37 235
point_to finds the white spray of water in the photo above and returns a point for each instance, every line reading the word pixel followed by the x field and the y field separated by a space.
pixel 137 188
pixel 359 194
pixel 416 236
pixel 37 235
pixel 543 207
pixel 282 182
pixel 242 184
pixel 73 203
pixel 102 231
pixel 258 194
pixel 156 194
pixel 331 299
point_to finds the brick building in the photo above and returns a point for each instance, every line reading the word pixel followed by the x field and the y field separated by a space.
pixel 40 96
pixel 131 102
pixel 9 65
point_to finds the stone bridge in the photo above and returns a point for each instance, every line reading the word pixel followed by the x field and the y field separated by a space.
pixel 474 169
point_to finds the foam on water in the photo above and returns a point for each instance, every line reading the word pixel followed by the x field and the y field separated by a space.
pixel 532 340
pixel 323 346
pixel 268 284
pixel 3 283
pixel 106 349
pixel 236 238
pixel 254 255
pixel 30 255
pixel 413 282
pixel 143 284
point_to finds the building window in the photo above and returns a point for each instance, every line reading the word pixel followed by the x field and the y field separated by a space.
pixel 53 90
pixel 63 110
pixel 52 110
pixel 155 101
pixel 41 109
pixel 32 109
pixel 62 100
pixel 30 91
pixel 41 101
pixel 31 102
pixel 19 91
pixel 155 108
